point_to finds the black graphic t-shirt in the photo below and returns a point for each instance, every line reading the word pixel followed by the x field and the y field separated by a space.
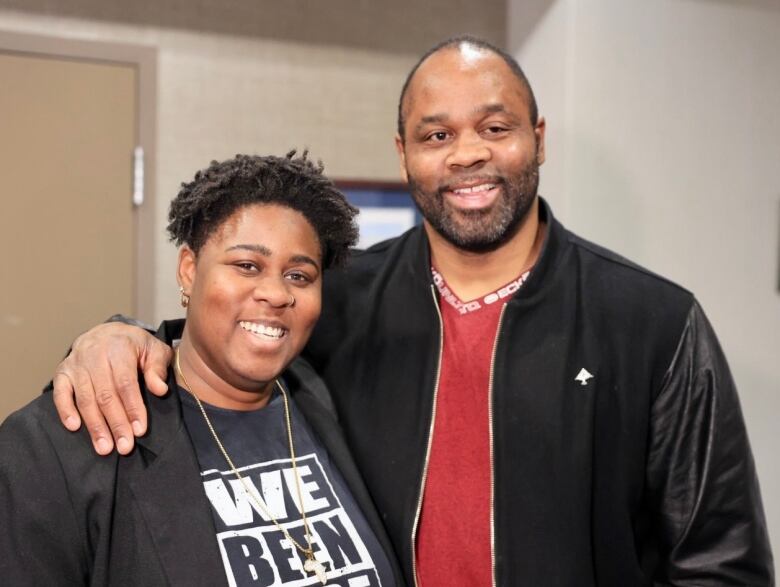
pixel 254 551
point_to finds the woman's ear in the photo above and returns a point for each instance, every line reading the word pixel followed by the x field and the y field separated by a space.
pixel 186 270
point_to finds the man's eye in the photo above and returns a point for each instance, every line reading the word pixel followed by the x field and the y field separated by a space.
pixel 437 137
pixel 496 130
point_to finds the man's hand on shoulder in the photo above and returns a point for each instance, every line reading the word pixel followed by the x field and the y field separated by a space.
pixel 101 372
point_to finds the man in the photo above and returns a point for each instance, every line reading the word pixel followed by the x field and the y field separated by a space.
pixel 526 407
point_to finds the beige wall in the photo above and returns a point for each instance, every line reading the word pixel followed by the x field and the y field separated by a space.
pixel 664 145
pixel 262 77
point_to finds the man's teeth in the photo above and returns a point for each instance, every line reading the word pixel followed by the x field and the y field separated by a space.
pixel 476 189
pixel 269 331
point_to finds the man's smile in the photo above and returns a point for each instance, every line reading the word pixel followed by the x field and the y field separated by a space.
pixel 472 196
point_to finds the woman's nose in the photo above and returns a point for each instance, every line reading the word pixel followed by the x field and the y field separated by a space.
pixel 275 292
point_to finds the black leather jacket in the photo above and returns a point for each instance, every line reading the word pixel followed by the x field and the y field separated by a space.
pixel 639 475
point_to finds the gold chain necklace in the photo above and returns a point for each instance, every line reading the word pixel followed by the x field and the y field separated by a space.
pixel 311 565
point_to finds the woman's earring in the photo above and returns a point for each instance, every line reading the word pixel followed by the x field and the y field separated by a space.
pixel 185 299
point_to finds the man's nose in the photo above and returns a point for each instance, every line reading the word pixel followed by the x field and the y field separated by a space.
pixel 468 150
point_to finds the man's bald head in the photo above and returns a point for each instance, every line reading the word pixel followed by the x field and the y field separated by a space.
pixel 465 43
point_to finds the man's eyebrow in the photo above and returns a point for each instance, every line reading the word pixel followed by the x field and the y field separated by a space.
pixel 431 119
pixel 263 250
pixel 498 108
pixel 491 108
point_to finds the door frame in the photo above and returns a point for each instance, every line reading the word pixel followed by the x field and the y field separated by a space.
pixel 144 59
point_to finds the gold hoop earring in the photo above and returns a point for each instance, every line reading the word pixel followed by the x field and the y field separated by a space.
pixel 185 299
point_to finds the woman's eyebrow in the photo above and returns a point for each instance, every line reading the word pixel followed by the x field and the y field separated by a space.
pixel 305 259
pixel 266 252
pixel 263 250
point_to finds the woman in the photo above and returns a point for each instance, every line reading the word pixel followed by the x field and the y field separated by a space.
pixel 243 477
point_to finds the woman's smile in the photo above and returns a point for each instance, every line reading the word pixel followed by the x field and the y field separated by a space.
pixel 263 329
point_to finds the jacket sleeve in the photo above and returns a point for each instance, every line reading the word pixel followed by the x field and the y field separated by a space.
pixel 702 487
pixel 40 542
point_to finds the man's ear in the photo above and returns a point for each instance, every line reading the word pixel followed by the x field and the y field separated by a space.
pixel 186 269
pixel 399 148
pixel 539 130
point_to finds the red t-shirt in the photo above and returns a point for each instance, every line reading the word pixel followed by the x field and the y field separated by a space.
pixel 453 537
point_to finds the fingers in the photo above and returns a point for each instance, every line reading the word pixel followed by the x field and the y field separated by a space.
pixel 130 419
pixel 92 408
pixel 63 401
pixel 102 369
pixel 82 385
pixel 154 362
pixel 112 409
pixel 101 373
pixel 111 371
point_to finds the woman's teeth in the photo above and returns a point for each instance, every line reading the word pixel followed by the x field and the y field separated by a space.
pixel 268 331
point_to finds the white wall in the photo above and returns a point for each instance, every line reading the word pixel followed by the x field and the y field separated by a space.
pixel 665 146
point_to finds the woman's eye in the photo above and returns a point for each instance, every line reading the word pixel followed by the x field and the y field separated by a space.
pixel 247 267
pixel 298 276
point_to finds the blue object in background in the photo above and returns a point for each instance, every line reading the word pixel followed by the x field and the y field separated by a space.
pixel 386 210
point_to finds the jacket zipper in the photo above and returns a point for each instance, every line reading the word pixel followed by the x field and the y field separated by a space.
pixel 430 438
pixel 490 436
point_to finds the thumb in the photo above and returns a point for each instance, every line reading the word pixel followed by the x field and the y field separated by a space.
pixel 154 363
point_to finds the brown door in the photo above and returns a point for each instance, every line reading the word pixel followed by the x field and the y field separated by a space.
pixel 67 132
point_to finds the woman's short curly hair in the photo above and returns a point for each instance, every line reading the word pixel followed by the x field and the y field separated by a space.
pixel 223 187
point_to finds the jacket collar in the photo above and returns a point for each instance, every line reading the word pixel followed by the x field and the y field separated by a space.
pixel 170 496
pixel 550 257
pixel 165 422
pixel 418 265
pixel 313 400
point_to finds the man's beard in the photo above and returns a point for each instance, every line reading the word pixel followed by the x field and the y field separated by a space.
pixel 481 231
